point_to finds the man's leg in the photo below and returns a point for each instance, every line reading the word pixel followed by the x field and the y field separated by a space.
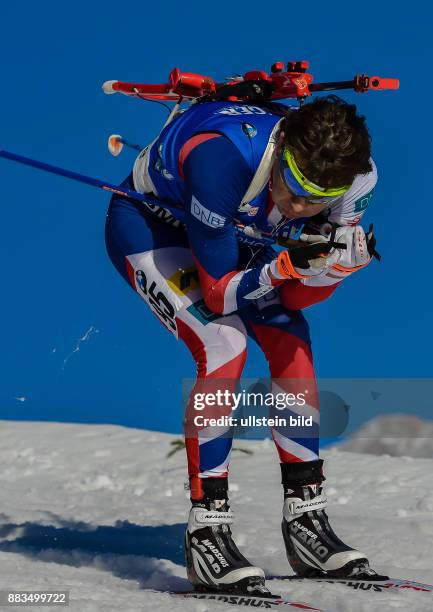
pixel 218 345
pixel 155 260
pixel 312 547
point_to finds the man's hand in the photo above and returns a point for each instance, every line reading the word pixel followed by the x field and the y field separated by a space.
pixel 317 256
pixel 302 261
pixel 360 248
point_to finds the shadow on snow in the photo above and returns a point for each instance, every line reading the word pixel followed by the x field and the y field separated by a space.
pixel 147 554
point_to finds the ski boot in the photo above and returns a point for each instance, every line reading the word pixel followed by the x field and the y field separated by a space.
pixel 313 550
pixel 213 560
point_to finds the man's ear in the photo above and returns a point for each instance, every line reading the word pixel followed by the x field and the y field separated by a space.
pixel 280 141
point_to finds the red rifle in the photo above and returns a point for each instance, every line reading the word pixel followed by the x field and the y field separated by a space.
pixel 254 85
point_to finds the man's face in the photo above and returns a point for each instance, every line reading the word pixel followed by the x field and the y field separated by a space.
pixel 288 204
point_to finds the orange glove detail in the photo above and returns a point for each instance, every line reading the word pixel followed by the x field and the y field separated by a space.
pixel 285 268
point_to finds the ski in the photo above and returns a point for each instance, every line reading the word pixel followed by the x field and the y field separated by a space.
pixel 372 586
pixel 252 601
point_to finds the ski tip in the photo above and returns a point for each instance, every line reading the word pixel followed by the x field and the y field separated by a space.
pixel 108 88
pixel 115 144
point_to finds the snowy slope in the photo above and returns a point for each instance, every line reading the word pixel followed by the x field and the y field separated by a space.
pixel 398 435
pixel 99 510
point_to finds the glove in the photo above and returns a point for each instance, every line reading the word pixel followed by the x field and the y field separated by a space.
pixel 316 256
pixel 360 248
pixel 302 261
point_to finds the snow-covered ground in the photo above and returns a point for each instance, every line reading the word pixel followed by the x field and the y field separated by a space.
pixel 100 511
pixel 398 435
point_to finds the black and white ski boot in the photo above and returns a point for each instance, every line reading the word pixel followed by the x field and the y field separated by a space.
pixel 213 560
pixel 313 550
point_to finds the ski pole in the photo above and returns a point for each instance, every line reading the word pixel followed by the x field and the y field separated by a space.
pixel 89 180
pixel 145 198
pixel 120 190
pixel 116 143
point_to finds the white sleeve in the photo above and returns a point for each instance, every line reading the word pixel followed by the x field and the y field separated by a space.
pixel 349 209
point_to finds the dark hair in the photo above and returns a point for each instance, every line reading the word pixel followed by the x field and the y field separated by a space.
pixel 330 142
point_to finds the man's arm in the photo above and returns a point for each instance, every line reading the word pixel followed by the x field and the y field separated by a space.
pixel 339 264
pixel 348 212
pixel 216 179
pixel 350 208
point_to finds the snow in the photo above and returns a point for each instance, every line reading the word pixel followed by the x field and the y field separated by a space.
pixel 397 435
pixel 100 511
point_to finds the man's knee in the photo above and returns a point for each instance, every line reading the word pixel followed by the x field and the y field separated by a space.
pixel 292 322
pixel 219 346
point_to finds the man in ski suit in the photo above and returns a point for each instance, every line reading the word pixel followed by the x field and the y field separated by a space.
pixel 238 170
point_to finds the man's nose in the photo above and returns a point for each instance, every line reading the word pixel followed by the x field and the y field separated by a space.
pixel 297 203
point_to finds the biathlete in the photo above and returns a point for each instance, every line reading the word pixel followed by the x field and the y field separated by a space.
pixel 304 173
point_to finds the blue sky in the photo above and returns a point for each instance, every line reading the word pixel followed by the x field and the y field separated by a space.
pixel 57 280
